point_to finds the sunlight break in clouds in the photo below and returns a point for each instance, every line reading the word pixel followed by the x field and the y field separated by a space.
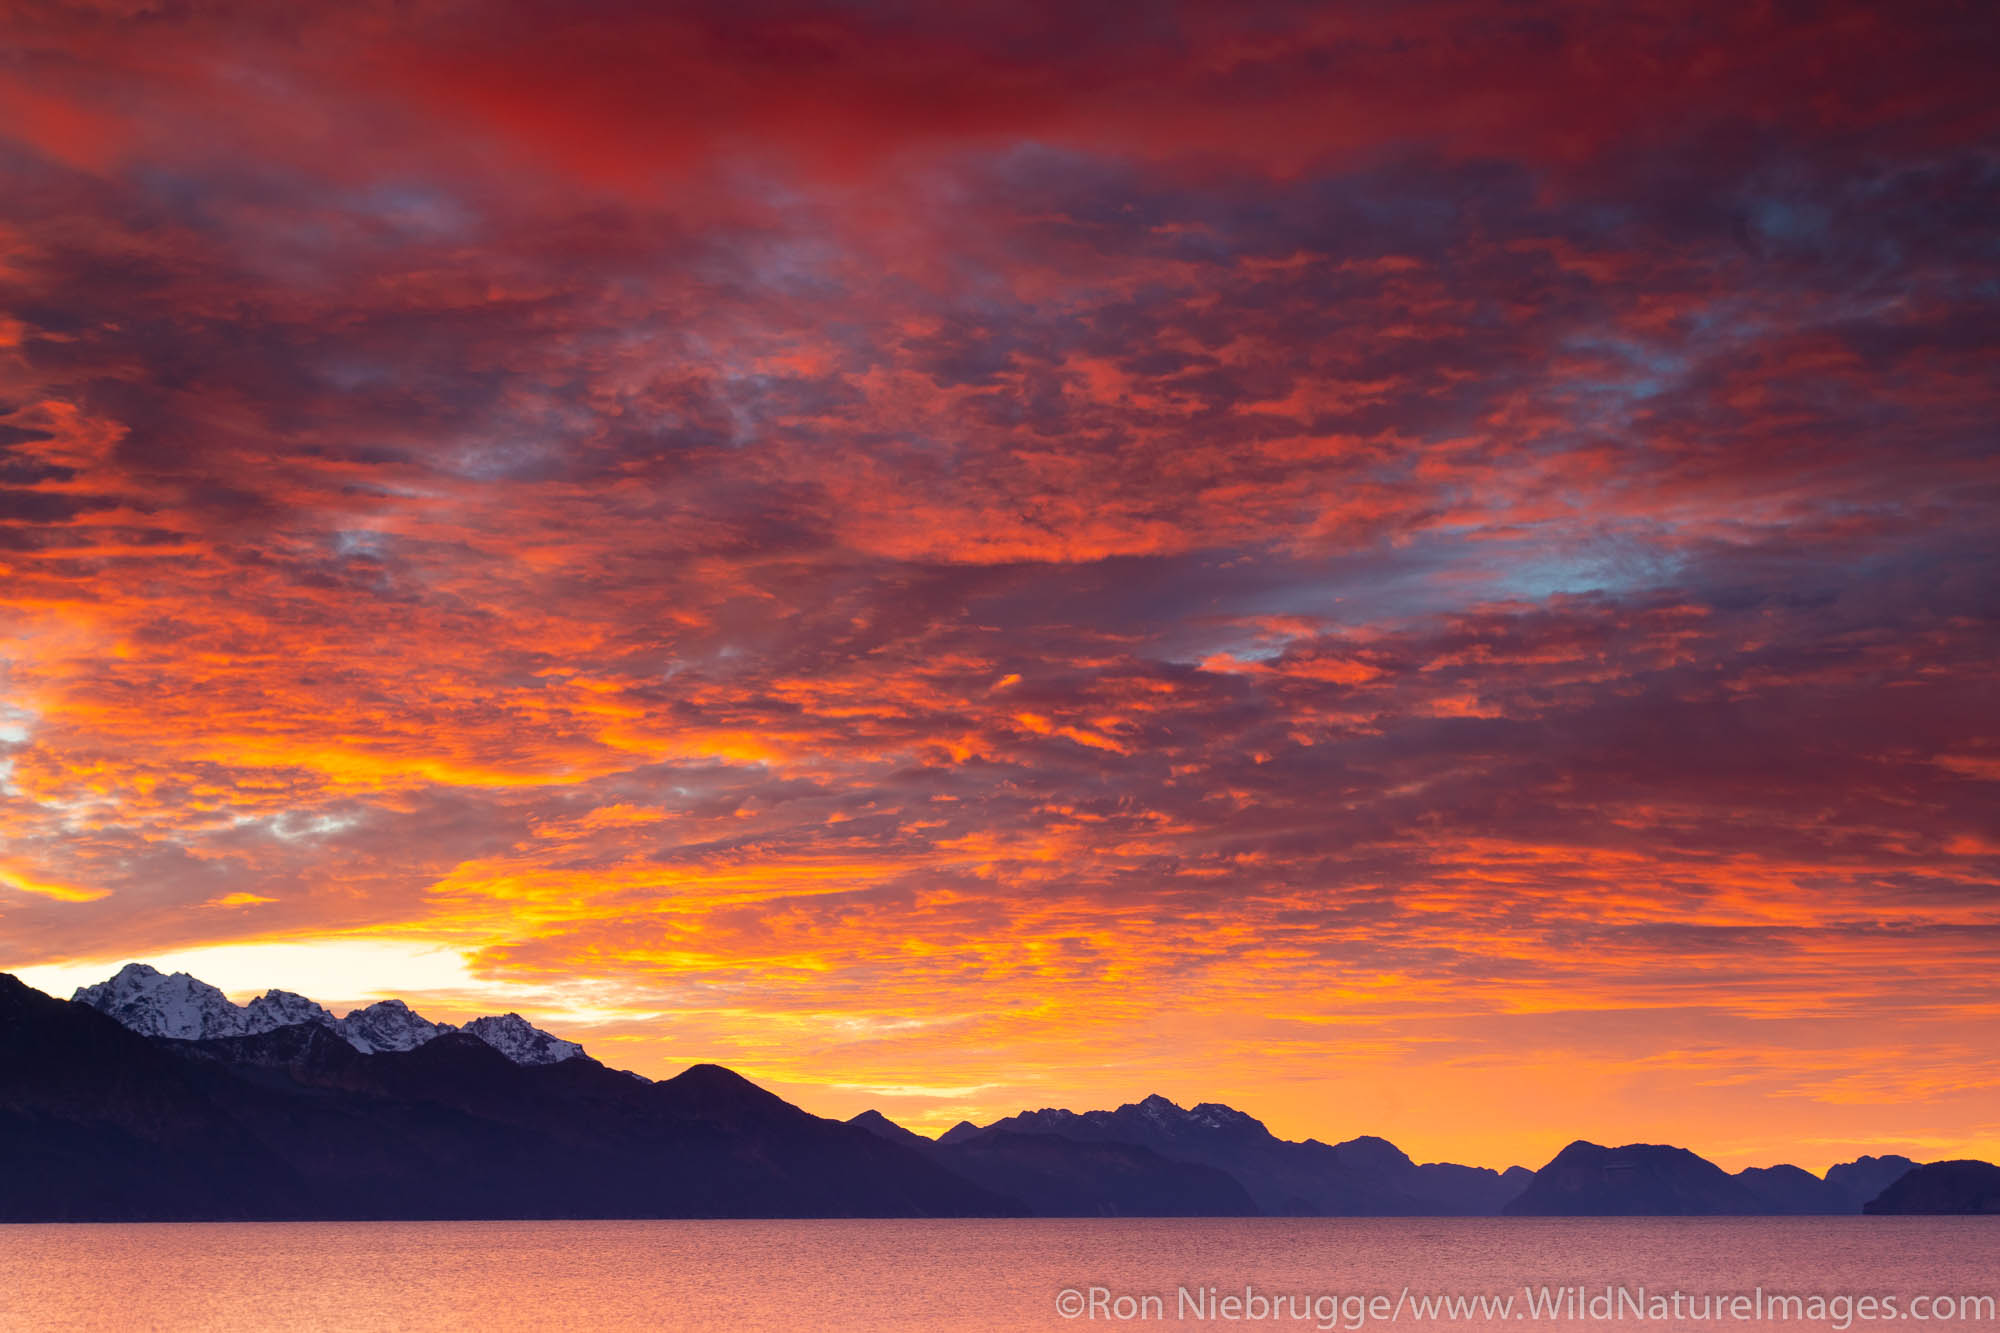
pixel 336 972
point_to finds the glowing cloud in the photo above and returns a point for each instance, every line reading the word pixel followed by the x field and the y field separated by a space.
pixel 1316 557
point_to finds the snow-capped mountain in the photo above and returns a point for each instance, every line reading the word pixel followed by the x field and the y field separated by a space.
pixel 282 1008
pixel 520 1041
pixel 389 1025
pixel 158 1004
pixel 147 1000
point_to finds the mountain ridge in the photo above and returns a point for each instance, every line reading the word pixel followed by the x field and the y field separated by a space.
pixel 152 1096
pixel 1365 1176
pixel 101 1123
pixel 178 1006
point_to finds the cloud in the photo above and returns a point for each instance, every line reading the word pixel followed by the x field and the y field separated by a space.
pixel 1293 556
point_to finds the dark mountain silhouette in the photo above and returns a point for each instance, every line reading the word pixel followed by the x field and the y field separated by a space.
pixel 1060 1177
pixel 883 1127
pixel 1942 1187
pixel 1795 1190
pixel 206 1111
pixel 1361 1177
pixel 97 1123
pixel 1648 1180
pixel 1639 1179
pixel 1865 1177
pixel 101 1123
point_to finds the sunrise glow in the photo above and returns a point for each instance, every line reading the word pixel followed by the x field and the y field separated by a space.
pixel 985 558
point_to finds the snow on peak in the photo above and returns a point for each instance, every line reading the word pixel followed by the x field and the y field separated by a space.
pixel 156 1004
pixel 282 1008
pixel 520 1041
pixel 389 1025
pixel 1214 1115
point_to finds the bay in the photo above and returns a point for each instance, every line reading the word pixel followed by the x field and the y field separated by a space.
pixel 1003 1274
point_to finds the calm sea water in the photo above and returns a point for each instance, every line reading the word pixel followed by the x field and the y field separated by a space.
pixel 997 1275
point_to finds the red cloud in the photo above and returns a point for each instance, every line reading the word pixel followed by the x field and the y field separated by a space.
pixel 1406 543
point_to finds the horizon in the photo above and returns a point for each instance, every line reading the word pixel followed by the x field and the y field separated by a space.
pixel 459 1019
pixel 1432 566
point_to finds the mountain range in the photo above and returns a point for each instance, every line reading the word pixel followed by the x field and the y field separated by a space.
pixel 154 1097
pixel 157 1004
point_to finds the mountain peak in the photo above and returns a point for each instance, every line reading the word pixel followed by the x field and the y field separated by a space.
pixel 282 1008
pixel 1865 1177
pixel 176 1005
pixel 1369 1152
pixel 1214 1115
pixel 960 1132
pixel 716 1091
pixel 390 1025
pixel 1167 1115
pixel 521 1041
pixel 883 1127
pixel 1634 1179
pixel 708 1074
pixel 158 1004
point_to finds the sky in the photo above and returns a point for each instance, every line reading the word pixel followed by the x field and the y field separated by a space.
pixel 1426 569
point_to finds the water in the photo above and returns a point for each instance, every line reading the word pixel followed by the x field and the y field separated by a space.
pixel 978 1275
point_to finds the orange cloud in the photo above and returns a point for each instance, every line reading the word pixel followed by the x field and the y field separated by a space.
pixel 983 579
